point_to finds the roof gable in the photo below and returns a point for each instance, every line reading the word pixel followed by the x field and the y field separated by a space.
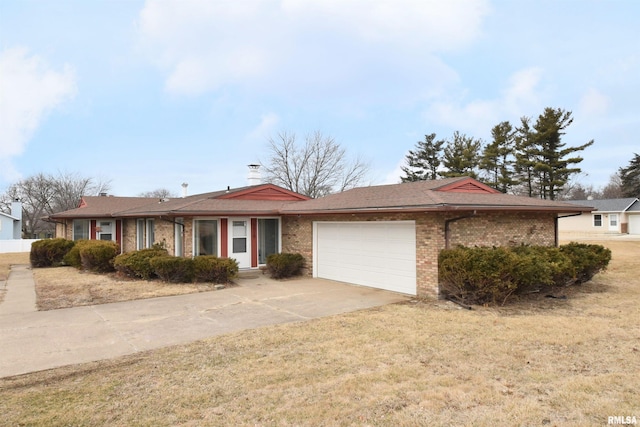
pixel 264 192
pixel 467 185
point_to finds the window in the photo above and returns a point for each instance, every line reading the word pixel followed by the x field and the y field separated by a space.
pixel 239 237
pixel 105 230
pixel 206 237
pixel 145 236
pixel 613 220
pixel 140 234
pixel 268 238
pixel 81 229
pixel 151 237
pixel 597 220
pixel 178 231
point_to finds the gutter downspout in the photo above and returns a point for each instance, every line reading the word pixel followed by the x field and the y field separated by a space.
pixel 447 229
pixel 555 222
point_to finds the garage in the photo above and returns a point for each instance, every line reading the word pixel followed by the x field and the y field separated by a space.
pixel 634 223
pixel 378 254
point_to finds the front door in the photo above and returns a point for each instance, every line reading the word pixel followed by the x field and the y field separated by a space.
pixel 613 222
pixel 240 243
pixel 105 230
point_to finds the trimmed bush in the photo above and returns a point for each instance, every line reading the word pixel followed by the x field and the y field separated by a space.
pixel 209 268
pixel 49 252
pixel 484 275
pixel 587 260
pixel 478 275
pixel 98 255
pixel 283 265
pixel 173 269
pixel 137 264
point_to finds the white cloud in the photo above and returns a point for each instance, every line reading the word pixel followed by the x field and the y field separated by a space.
pixel 30 90
pixel 594 103
pixel 266 127
pixel 521 96
pixel 299 46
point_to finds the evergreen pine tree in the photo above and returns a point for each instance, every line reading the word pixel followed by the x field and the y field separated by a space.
pixel 423 163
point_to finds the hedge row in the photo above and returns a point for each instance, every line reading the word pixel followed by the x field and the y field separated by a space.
pixel 157 263
pixel 49 252
pixel 491 275
pixel 90 255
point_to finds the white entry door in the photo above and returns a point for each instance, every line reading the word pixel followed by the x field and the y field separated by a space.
pixel 240 243
pixel 105 231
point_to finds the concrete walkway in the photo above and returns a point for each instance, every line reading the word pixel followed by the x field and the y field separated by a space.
pixel 21 295
pixel 36 340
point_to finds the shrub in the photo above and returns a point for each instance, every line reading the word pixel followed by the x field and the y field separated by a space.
pixel 482 275
pixel 72 257
pixel 98 255
pixel 138 263
pixel 173 269
pixel 587 260
pixel 49 252
pixel 478 275
pixel 209 268
pixel 280 266
pixel 541 267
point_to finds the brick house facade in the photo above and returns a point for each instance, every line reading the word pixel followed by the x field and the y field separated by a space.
pixel 482 229
pixel 439 214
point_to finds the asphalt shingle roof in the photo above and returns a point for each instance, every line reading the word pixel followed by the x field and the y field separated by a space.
pixel 437 195
pixel 608 205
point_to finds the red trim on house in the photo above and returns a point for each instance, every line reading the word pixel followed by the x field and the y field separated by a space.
pixel 468 185
pixel 254 242
pixel 224 237
pixel 92 232
pixel 119 233
pixel 264 192
pixel 83 203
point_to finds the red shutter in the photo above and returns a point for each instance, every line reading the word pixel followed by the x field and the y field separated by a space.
pixel 119 233
pixel 224 238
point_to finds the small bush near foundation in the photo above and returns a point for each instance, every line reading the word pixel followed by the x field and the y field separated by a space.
pixel 209 268
pixel 98 255
pixel 492 275
pixel 137 264
pixel 280 266
pixel 173 269
pixel 49 252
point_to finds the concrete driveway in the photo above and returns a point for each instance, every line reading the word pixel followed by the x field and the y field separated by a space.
pixel 32 341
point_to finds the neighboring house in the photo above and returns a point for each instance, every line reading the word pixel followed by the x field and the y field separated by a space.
pixel 11 224
pixel 386 236
pixel 609 216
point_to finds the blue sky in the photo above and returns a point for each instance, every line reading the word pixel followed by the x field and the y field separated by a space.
pixel 152 94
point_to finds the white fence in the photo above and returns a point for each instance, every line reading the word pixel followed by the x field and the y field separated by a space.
pixel 16 245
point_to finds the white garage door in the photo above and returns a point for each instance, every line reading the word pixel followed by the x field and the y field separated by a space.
pixel 634 224
pixel 379 254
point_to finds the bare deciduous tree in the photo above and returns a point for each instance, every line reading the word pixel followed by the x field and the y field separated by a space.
pixel 159 193
pixel 315 168
pixel 44 194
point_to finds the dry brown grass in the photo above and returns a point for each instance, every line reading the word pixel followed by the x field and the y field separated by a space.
pixel 64 287
pixel 570 362
pixel 6 260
